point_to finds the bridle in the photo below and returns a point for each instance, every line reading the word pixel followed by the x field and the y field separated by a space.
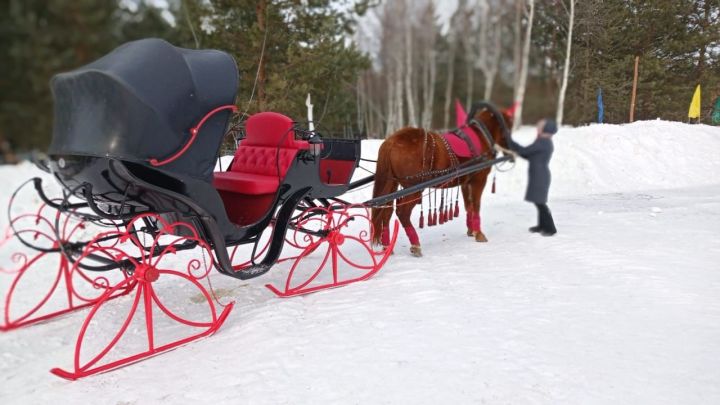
pixel 482 128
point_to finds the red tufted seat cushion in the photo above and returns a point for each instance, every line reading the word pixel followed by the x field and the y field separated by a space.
pixel 256 170
pixel 263 160
pixel 245 183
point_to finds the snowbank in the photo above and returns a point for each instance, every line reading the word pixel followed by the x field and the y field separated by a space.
pixel 644 155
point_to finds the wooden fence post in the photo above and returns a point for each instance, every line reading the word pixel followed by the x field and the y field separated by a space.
pixel 634 90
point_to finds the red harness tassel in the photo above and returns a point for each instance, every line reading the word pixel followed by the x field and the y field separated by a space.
pixel 457 209
pixel 493 185
pixel 422 220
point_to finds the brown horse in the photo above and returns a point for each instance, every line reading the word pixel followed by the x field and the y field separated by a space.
pixel 413 155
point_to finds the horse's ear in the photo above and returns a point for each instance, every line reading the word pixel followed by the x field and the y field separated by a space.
pixel 511 111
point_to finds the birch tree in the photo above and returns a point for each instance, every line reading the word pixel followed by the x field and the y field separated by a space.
pixel 520 98
pixel 469 49
pixel 489 47
pixel 455 20
pixel 429 62
pixel 566 68
pixel 409 73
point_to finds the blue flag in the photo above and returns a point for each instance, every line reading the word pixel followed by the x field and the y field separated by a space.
pixel 601 107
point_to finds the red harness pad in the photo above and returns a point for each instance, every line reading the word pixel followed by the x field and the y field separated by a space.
pixel 460 147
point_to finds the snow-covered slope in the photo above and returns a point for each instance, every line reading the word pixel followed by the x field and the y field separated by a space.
pixel 621 307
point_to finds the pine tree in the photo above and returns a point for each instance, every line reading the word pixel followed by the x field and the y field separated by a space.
pixel 43 37
pixel 287 49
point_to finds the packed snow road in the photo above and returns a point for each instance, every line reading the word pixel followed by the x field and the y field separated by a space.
pixel 622 306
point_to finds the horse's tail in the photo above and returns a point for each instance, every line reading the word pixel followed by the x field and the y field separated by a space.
pixel 385 183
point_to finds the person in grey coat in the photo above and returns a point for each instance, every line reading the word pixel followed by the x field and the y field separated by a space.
pixel 538 155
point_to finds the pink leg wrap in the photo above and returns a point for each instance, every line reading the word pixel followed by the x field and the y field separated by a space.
pixel 412 235
pixel 469 219
pixel 475 223
pixel 385 237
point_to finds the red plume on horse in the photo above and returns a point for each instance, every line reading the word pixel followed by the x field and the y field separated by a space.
pixel 413 155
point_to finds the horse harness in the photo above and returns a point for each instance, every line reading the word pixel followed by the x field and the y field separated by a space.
pixel 454 161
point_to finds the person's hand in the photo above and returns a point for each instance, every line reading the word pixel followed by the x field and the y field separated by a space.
pixel 507 152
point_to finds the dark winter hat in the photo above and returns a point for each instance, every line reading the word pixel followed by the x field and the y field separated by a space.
pixel 550 126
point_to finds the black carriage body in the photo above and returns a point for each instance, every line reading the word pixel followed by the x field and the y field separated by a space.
pixel 139 103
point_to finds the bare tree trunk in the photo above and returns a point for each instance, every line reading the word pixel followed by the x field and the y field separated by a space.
pixel 566 69
pixel 470 57
pixel 449 84
pixel 360 104
pixel 525 62
pixel 390 123
pixel 429 101
pixel 494 65
pixel 489 46
pixel 409 92
pixel 370 112
pixel 489 83
pixel 470 64
pixel 427 33
pixel 399 104
pixel 517 51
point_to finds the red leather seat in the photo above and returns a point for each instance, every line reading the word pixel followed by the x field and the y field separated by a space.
pixel 246 183
pixel 259 166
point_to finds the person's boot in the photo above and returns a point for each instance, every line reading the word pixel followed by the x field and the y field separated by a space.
pixel 535 229
pixel 547 233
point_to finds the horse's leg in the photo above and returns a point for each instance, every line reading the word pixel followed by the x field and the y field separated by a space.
pixel 467 200
pixel 404 211
pixel 478 186
pixel 381 225
pixel 385 184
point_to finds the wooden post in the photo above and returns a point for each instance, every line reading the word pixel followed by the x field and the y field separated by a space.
pixel 309 104
pixel 634 90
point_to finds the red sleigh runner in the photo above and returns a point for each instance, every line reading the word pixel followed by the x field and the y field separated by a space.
pixel 145 267
pixel 67 288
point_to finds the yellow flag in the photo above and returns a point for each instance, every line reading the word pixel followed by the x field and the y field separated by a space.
pixel 695 104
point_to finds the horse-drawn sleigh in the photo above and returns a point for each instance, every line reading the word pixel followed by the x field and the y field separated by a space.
pixel 135 144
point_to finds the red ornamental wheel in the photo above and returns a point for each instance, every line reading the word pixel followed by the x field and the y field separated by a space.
pixel 44 283
pixel 153 322
pixel 338 253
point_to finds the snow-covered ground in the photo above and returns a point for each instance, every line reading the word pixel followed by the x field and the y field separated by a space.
pixel 622 306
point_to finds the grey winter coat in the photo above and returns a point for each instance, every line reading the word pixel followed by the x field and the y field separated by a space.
pixel 538 155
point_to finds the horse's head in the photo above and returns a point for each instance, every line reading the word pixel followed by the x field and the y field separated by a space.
pixel 494 125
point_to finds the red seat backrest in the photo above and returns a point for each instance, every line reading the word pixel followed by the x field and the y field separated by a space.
pixel 269 129
pixel 269 146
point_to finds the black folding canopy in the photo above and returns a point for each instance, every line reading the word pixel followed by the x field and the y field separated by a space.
pixel 140 101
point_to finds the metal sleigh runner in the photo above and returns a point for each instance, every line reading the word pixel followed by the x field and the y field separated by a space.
pixel 141 209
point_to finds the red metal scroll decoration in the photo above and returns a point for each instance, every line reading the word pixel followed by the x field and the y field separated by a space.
pixel 193 135
pixel 148 265
pixel 346 248
pixel 68 290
